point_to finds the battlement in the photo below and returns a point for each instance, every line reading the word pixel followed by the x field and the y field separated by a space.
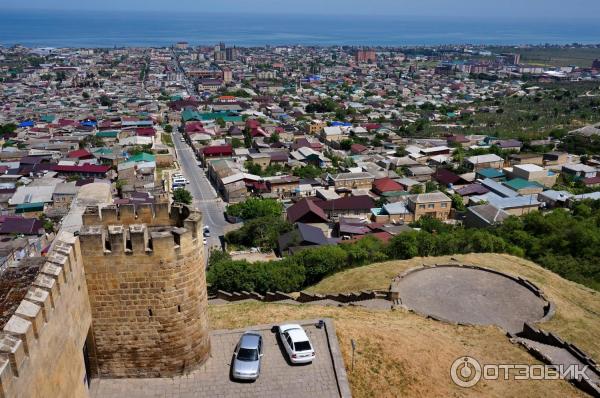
pixel 119 230
pixel 22 339
pixel 157 214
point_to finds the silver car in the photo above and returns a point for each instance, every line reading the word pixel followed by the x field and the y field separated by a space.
pixel 247 357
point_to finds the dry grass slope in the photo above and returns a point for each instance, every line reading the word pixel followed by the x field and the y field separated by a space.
pixel 577 317
pixel 402 354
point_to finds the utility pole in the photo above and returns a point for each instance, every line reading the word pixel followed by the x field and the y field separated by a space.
pixel 353 349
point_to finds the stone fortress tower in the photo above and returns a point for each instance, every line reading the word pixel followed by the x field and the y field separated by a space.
pixel 145 275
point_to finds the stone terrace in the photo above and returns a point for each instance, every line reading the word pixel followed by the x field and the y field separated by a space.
pixel 324 378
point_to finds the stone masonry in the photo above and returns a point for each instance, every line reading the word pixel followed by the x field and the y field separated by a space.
pixel 41 344
pixel 147 289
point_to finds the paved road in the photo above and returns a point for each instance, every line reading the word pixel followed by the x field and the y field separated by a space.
pixel 205 197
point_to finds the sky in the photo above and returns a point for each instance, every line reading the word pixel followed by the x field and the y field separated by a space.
pixel 532 9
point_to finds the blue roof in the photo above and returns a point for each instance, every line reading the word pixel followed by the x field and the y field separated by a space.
pixel 26 123
pixel 344 124
pixel 498 188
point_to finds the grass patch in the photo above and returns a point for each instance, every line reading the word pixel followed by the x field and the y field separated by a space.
pixel 577 317
pixel 167 139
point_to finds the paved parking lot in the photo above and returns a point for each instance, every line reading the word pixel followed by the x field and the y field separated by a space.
pixel 277 379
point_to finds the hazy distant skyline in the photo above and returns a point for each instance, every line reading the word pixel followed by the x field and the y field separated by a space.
pixel 558 9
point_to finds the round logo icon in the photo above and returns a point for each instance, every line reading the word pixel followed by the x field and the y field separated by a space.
pixel 465 372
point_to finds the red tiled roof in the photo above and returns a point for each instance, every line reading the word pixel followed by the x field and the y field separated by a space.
pixel 591 180
pixel 383 236
pixel 218 150
pixel 20 225
pixel 361 202
pixel 386 185
pixel 444 176
pixel 84 168
pixel 252 123
pixel 191 127
pixel 145 131
pixel 304 207
pixel 372 126
pixel 358 148
pixel 79 154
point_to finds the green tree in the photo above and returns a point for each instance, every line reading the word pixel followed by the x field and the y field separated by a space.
pixel 182 195
pixel 403 246
pixel 168 128
pixel 309 171
pixel 458 203
pixel 256 207
pixel 430 186
pixel 274 138
pixel 416 189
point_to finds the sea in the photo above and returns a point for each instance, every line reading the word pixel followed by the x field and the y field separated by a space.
pixel 152 29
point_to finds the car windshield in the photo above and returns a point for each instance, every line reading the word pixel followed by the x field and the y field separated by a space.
pixel 302 346
pixel 246 354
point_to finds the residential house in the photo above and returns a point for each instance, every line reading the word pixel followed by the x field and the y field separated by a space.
pixel 357 206
pixel 532 172
pixel 360 180
pixel 420 173
pixel 485 161
pixel 483 216
pixel 434 204
pixel 579 170
pixel 306 211
pixel 397 213
pixel 555 158
pixel 284 187
pixel 304 236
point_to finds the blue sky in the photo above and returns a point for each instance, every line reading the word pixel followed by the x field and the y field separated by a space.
pixel 560 9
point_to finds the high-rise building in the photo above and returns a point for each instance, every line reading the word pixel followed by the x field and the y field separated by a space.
pixel 231 54
pixel 366 56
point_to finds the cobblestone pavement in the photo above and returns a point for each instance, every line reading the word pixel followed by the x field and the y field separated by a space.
pixel 277 379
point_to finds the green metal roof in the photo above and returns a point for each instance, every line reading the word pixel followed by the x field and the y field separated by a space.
pixel 28 207
pixel 142 157
pixel 189 114
pixel 490 173
pixel 220 115
pixel 520 183
pixel 103 151
pixel 107 134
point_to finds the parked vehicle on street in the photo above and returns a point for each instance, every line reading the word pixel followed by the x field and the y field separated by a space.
pixel 247 356
pixel 297 344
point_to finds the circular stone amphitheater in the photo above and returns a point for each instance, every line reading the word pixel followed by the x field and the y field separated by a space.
pixel 471 295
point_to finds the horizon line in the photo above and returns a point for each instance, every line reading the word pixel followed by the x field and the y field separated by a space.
pixel 299 14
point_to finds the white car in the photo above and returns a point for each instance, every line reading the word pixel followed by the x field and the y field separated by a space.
pixel 296 343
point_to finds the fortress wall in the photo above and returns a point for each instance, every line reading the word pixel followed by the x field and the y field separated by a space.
pixel 41 346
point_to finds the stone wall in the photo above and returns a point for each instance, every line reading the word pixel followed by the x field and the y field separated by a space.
pixel 147 289
pixel 41 345
pixel 303 297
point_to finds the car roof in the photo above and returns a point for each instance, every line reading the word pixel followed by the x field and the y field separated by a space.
pixel 295 332
pixel 249 340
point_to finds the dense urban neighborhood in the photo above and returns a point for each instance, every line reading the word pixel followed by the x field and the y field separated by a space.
pixel 301 162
